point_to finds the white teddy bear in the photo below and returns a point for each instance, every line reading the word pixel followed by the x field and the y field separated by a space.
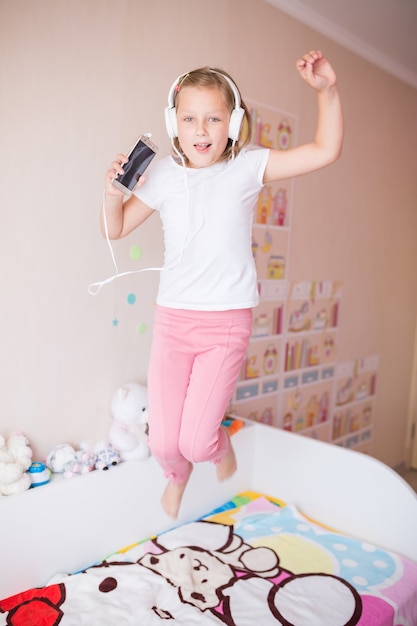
pixel 15 460
pixel 129 413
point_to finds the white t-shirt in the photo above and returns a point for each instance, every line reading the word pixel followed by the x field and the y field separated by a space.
pixel 207 216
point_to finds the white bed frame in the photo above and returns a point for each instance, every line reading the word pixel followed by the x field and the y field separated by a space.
pixel 70 524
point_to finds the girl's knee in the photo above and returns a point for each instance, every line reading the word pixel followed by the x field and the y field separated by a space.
pixel 199 451
pixel 196 455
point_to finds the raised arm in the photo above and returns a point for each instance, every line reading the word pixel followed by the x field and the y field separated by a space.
pixel 327 144
pixel 122 216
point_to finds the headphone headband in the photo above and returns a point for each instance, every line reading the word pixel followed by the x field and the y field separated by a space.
pixel 178 81
pixel 236 116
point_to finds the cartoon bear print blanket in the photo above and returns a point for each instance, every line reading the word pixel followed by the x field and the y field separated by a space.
pixel 250 563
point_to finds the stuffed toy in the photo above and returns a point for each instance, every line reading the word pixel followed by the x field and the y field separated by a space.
pixel 15 460
pixel 58 457
pixel 106 457
pixel 64 459
pixel 129 415
pixel 83 461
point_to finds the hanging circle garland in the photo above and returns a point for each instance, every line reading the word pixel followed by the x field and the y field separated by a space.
pixel 135 253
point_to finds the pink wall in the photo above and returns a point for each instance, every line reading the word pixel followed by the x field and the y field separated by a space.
pixel 80 80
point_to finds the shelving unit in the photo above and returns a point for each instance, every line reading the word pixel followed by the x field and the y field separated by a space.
pixel 291 377
pixel 354 403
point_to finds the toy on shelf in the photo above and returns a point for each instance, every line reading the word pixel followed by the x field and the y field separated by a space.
pixel 129 415
pixel 39 474
pixel 106 457
pixel 15 460
pixel 84 461
pixel 233 424
pixel 64 459
pixel 127 439
pixel 59 456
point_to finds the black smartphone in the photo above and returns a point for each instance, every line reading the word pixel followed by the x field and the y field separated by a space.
pixel 140 156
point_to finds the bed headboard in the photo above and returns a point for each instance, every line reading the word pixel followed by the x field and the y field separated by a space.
pixel 70 524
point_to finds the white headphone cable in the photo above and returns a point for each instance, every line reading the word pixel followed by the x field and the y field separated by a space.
pixel 95 288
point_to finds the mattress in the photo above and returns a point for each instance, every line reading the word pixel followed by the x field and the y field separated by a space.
pixel 255 561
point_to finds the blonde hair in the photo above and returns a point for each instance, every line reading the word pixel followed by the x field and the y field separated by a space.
pixel 212 77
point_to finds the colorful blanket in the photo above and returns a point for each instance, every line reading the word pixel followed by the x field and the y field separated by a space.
pixel 254 562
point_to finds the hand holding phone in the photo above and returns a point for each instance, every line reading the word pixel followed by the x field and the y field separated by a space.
pixel 139 157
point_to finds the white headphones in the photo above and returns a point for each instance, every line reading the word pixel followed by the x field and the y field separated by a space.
pixel 236 116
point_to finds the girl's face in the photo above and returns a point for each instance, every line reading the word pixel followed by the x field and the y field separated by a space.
pixel 203 124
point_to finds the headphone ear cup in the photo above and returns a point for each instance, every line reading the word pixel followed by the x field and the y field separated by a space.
pixel 236 119
pixel 171 122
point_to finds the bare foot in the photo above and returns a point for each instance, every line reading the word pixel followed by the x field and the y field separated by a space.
pixel 172 496
pixel 228 465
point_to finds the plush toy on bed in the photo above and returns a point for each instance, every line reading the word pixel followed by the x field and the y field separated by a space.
pixel 15 460
pixel 64 459
pixel 129 414
pixel 59 456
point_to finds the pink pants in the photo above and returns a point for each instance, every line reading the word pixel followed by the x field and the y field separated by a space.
pixel 194 364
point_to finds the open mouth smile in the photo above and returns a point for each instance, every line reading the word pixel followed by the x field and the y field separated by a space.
pixel 202 147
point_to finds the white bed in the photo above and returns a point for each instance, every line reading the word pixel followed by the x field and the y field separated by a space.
pixel 71 524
